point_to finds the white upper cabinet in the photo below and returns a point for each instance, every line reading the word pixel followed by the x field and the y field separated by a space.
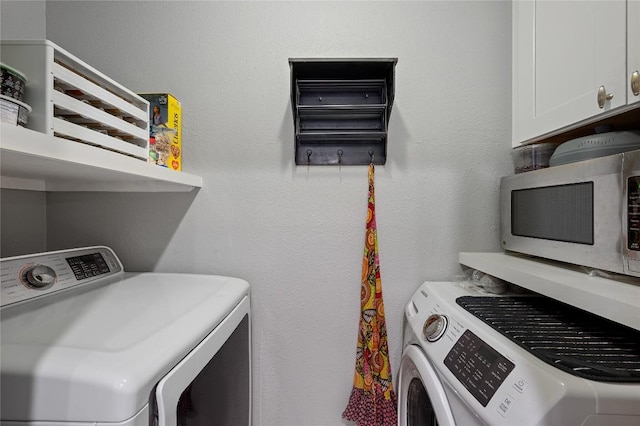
pixel 633 55
pixel 570 63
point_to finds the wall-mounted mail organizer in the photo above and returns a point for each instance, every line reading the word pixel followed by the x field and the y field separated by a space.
pixel 341 110
pixel 72 100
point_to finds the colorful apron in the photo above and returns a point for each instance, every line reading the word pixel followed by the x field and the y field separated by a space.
pixel 373 401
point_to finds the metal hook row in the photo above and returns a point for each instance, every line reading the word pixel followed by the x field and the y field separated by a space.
pixel 340 153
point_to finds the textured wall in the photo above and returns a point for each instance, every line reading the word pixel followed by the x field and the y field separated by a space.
pixel 23 221
pixel 23 19
pixel 22 214
pixel 296 233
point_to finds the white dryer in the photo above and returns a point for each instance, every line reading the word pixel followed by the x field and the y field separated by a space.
pixel 470 358
pixel 85 343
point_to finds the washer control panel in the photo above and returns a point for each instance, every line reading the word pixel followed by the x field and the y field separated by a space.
pixel 30 276
pixel 479 367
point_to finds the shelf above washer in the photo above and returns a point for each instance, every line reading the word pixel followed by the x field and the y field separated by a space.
pixel 617 299
pixel 34 161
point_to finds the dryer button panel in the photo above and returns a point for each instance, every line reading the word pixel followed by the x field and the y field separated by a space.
pixel 27 277
pixel 88 265
pixel 479 367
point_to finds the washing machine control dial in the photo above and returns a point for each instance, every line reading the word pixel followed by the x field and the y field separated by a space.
pixel 434 327
pixel 39 277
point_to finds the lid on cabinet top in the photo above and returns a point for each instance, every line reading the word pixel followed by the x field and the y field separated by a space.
pixel 595 146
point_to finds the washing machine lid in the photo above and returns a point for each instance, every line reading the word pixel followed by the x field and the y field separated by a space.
pixel 95 354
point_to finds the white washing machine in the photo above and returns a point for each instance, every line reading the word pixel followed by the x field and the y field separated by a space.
pixel 85 343
pixel 470 358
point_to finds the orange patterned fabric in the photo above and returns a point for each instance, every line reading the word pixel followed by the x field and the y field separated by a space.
pixel 373 401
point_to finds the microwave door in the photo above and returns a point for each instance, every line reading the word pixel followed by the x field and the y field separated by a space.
pixel 554 213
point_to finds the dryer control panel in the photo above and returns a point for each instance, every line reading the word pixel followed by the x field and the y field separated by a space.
pixel 26 277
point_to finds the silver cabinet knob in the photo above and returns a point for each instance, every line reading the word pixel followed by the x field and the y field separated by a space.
pixel 603 96
pixel 635 83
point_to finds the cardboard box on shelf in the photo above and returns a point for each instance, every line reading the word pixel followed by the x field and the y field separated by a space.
pixel 165 130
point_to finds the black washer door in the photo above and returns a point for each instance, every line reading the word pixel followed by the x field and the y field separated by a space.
pixel 419 408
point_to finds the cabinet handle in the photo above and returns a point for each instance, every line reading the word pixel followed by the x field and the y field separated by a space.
pixel 635 83
pixel 603 96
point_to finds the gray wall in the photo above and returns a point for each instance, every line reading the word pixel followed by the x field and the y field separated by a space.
pixel 297 233
pixel 23 221
pixel 23 19
pixel 22 213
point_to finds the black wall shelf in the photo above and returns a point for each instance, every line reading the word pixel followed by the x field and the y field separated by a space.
pixel 341 110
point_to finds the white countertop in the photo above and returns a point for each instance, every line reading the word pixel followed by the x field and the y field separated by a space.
pixel 614 297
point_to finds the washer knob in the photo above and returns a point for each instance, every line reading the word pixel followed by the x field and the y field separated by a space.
pixel 40 276
pixel 434 327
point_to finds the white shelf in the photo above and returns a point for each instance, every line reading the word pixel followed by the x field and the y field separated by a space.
pixel 617 299
pixel 31 160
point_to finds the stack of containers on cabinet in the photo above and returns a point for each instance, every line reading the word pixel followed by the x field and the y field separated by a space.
pixel 12 86
pixel 72 100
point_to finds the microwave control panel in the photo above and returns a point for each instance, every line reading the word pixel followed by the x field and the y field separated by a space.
pixel 633 213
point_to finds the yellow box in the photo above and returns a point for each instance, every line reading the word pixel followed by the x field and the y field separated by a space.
pixel 165 130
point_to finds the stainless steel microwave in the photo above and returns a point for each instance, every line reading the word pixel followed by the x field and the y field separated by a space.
pixel 584 213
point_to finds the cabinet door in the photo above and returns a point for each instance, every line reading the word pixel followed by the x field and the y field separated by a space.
pixel 633 51
pixel 563 51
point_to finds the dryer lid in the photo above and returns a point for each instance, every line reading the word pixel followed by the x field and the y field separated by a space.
pixel 96 354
